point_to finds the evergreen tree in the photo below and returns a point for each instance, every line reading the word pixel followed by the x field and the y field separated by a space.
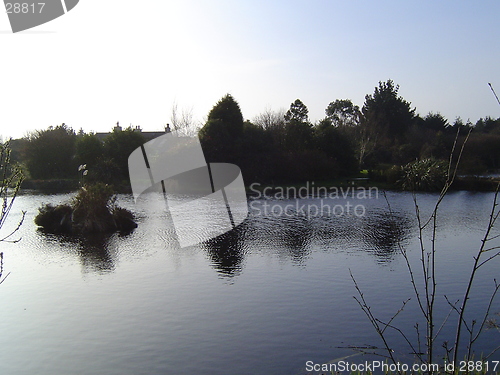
pixel 387 113
pixel 435 121
pixel 221 134
pixel 298 130
pixel 298 112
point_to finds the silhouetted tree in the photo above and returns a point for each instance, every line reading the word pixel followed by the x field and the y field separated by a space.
pixel 298 112
pixel 298 130
pixel 227 111
pixel 342 112
pixel 50 153
pixel 221 133
pixel 482 153
pixel 183 122
pixel 459 125
pixel 386 112
pixel 386 118
pixel 435 121
pixel 336 146
pixel 89 149
pixel 18 148
pixel 488 125
pixel 270 119
pixel 365 139
pixel 273 122
pixel 118 146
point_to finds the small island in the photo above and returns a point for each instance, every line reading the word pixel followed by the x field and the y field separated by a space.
pixel 92 210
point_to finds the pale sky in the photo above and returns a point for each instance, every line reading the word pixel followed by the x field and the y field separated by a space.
pixel 130 61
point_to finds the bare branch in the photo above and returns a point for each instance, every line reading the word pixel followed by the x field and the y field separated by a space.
pixel 488 259
pixel 417 353
pixel 366 309
pixel 487 312
pixel 183 122
pixel 396 314
pixel 15 230
pixel 447 316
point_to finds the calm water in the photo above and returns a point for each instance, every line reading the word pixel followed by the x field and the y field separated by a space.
pixel 263 299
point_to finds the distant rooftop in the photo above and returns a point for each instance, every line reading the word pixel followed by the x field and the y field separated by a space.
pixel 147 135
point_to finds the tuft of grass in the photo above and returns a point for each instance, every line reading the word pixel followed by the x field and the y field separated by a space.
pixel 92 209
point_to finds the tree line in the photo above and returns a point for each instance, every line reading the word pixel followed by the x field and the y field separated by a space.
pixel 383 135
pixel 60 153
pixel 282 146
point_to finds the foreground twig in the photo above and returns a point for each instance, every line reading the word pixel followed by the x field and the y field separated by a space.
pixel 477 263
pixel 375 323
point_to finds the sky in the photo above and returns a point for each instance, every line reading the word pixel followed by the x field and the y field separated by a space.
pixel 132 61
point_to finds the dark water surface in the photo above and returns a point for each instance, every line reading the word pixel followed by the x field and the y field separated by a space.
pixel 263 299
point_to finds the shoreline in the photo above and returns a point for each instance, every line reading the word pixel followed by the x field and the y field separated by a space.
pixel 465 183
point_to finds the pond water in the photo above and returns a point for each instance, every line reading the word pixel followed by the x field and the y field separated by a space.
pixel 262 299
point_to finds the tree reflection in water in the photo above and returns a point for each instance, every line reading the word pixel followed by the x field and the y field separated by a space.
pixel 384 232
pixel 296 237
pixel 227 251
pixel 292 238
pixel 95 252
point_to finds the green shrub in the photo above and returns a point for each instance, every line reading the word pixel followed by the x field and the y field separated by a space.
pixel 424 175
pixel 92 210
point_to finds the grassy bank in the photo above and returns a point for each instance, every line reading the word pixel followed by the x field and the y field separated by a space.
pixel 468 183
